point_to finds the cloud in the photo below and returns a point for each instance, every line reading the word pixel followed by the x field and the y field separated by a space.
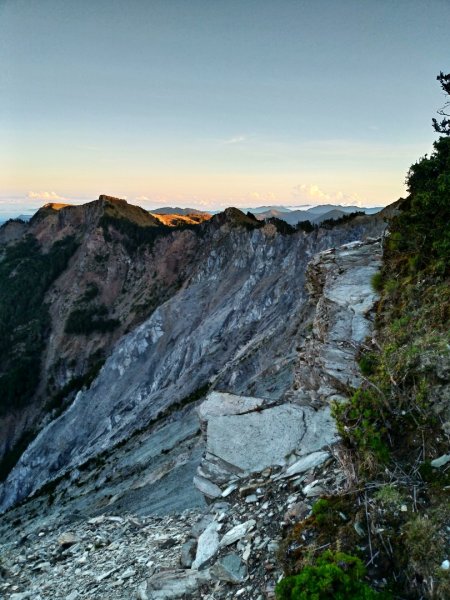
pixel 49 196
pixel 235 140
pixel 142 199
pixel 313 194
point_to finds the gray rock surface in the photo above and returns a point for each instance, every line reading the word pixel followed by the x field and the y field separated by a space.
pixel 207 546
pixel 306 463
pixel 230 568
pixel 206 487
pixel 260 439
pixel 339 283
pixel 134 557
pixel 220 404
pixel 171 585
pixel 280 375
pixel 188 551
pixel 237 532
pixel 237 337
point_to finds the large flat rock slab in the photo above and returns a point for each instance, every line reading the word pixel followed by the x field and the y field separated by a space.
pixel 256 440
pixel 219 404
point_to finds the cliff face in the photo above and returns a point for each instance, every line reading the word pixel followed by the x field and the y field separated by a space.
pixel 122 264
pixel 237 324
pixel 260 460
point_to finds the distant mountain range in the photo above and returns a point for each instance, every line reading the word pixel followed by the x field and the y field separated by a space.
pixel 314 214
pixel 168 210
pixel 291 215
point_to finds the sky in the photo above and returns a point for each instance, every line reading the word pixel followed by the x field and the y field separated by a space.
pixel 212 103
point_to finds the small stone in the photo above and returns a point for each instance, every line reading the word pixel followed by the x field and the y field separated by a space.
pixel 313 489
pixel 167 543
pixel 115 519
pixel 97 520
pixel 177 584
pixel 237 532
pixel 246 490
pixel 42 566
pixel 67 539
pixel 208 488
pixel 404 508
pixel 445 565
pixel 359 529
pixel 229 568
pixel 128 573
pixel 141 592
pixel 208 544
pixel 247 552
pixel 306 463
pixel 73 595
pixel 199 526
pixel 229 490
pixel 297 511
pixel 441 461
pixel 251 499
pixel 188 553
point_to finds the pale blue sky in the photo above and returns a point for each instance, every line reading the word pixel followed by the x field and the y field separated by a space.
pixel 208 102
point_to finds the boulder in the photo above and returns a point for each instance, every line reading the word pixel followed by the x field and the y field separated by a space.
pixel 237 532
pixel 207 545
pixel 306 463
pixel 179 583
pixel 229 568
pixel 256 440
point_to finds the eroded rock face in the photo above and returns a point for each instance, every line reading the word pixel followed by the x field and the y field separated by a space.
pixel 126 556
pixel 339 282
pixel 235 326
pixel 243 434
pixel 268 456
pixel 260 439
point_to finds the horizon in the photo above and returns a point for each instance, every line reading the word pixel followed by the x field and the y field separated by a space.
pixel 207 105
pixel 28 211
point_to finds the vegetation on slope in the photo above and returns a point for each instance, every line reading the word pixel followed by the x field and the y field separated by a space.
pixel 396 427
pixel 26 274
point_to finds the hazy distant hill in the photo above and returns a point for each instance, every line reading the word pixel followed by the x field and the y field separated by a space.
pixel 176 220
pixel 315 214
pixel 263 209
pixel 171 210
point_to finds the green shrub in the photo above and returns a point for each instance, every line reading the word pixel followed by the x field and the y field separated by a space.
pixel 362 424
pixel 84 321
pixel 331 223
pixel 335 576
pixel 26 273
pixel 92 291
pixel 377 282
pixel 368 363
pixel 321 510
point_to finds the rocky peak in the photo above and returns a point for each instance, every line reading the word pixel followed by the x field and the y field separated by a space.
pixel 111 199
pixel 233 217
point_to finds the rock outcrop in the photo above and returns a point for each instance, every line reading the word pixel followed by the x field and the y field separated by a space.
pixel 111 284
pixel 227 328
pixel 260 460
pixel 246 435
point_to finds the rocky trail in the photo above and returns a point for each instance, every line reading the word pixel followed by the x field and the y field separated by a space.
pixel 228 551
pixel 259 461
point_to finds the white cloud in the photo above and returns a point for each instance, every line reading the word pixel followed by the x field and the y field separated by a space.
pixel 236 140
pixel 48 196
pixel 312 193
pixel 142 199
